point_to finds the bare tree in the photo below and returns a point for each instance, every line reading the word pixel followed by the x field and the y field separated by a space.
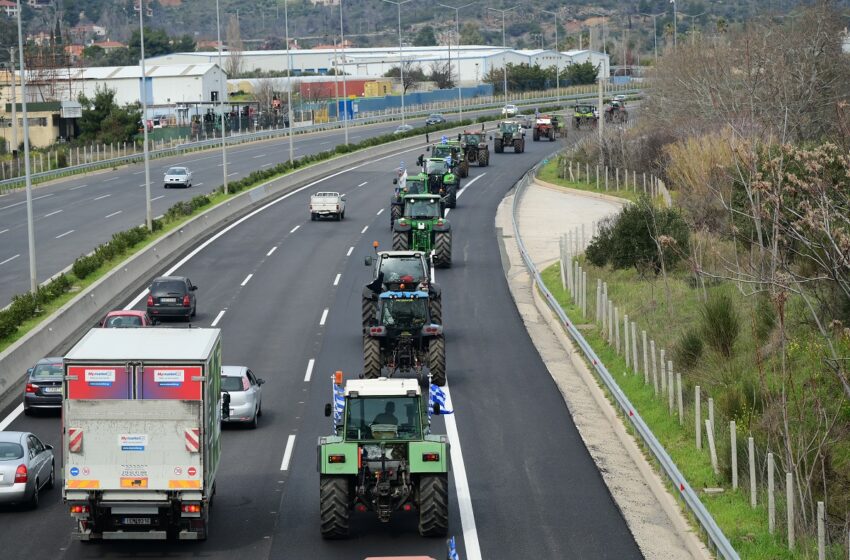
pixel 441 75
pixel 233 65
pixel 413 74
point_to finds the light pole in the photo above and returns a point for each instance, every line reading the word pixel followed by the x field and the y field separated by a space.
pixel 654 31
pixel 675 25
pixel 344 92
pixel 457 10
pixel 14 107
pixel 400 57
pixel 221 88
pixel 27 171
pixel 504 46
pixel 558 52
pixel 144 96
pixel 604 18
pixel 288 81
pixel 693 21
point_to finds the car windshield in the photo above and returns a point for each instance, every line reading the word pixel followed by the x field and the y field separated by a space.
pixel 395 269
pixel 48 371
pixel 404 313
pixel 10 451
pixel 383 418
pixel 168 287
pixel 421 209
pixel 433 167
pixel 232 383
pixel 123 321
pixel 177 171
pixel 472 138
pixel 436 116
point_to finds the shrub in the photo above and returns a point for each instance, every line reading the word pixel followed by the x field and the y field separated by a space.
pixel 721 324
pixel 8 325
pixel 23 307
pixel 765 318
pixel 85 265
pixel 688 349
pixel 599 248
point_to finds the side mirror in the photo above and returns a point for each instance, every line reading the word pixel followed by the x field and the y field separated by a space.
pixel 368 261
pixel 193 288
pixel 29 371
pixel 261 381
pixel 328 410
pixel 395 181
pixel 437 408
pixel 225 406
pixel 342 197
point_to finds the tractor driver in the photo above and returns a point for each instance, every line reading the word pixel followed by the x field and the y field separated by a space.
pixel 387 416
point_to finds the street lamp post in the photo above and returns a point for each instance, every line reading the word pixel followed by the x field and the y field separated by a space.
pixel 27 170
pixel 557 60
pixel 289 81
pixel 144 96
pixel 504 46
pixel 604 19
pixel 675 24
pixel 654 31
pixel 344 92
pixel 400 56
pixel 14 107
pixel 693 21
pixel 457 10
pixel 221 88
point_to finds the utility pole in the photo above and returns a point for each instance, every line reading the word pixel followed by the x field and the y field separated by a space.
pixel 400 55
pixel 288 82
pixel 675 25
pixel 654 31
pixel 600 122
pixel 144 96
pixel 14 105
pixel 221 92
pixel 457 34
pixel 504 46
pixel 27 170
pixel 344 92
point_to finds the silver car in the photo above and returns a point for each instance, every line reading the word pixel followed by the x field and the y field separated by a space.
pixel 26 467
pixel 178 177
pixel 246 395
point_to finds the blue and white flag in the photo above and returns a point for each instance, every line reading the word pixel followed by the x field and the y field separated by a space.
pixel 437 396
pixel 339 403
pixel 444 139
pixel 453 550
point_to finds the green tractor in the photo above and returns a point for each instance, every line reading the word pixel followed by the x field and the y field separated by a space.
pixel 404 185
pixel 509 133
pixel 382 457
pixel 452 153
pixel 422 227
pixel 441 179
pixel 585 115
pixel 475 149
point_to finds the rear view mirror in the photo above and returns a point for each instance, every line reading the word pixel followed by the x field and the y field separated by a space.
pixel 193 288
pixel 328 410
pixel 395 181
pixel 29 371
pixel 368 261
pixel 261 381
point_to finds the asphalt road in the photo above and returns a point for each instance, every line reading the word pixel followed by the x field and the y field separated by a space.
pixel 523 484
pixel 74 215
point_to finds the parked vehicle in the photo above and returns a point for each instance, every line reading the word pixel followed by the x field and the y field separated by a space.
pixel 27 466
pixel 436 118
pixel 510 110
pixel 327 204
pixel 178 177
pixel 43 390
pixel 621 98
pixel 172 296
pixel 126 319
pixel 141 444
pixel 246 395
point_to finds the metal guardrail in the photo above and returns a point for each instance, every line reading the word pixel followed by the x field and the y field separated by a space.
pixel 178 149
pixel 715 535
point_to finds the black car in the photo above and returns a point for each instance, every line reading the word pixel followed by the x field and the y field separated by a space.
pixel 436 118
pixel 172 296
pixel 44 385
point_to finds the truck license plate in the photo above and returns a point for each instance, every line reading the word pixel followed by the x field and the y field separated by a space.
pixel 136 521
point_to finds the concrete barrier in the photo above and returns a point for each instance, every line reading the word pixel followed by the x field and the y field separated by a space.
pixel 58 332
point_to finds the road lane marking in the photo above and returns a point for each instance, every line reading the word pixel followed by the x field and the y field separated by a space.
pixel 158 197
pixel 293 230
pixel 287 453
pixel 113 214
pixel 324 318
pixel 12 415
pixel 112 179
pixel 364 230
pixel 198 185
pixel 52 213
pixel 24 201
pixel 102 197
pixel 273 249
pixel 4 231
pixel 141 295
pixel 232 174
pixel 323 143
pixel 69 232
pixel 77 187
pixel 463 190
pixel 218 318
pixel 247 279
pixel 259 156
pixel 363 183
pixel 267 164
pixel 350 250
pixel 10 259
pixel 139 172
pixel 336 280
pixel 309 374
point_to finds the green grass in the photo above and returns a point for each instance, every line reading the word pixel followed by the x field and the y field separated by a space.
pixel 745 527
pixel 549 173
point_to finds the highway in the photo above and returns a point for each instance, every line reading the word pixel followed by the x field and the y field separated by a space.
pixel 285 291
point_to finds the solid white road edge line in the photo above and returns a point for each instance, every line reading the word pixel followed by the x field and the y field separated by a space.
pixel 272 250
pixel 247 279
pixel 218 317
pixel 324 318
pixel 287 453
pixel 309 374
pixel 253 213
pixel 11 418
pixel 336 280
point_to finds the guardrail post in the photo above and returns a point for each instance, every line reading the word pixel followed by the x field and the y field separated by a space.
pixel 733 450
pixel 626 349
pixel 751 449
pixel 771 498
pixel 663 364
pixel 821 533
pixel 617 329
pixel 789 500
pixel 698 417
pixel 645 358
pixel 634 348
pixel 709 433
pixel 671 393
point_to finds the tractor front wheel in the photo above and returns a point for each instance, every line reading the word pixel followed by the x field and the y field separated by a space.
pixel 437 360
pixel 443 249
pixel 497 146
pixel 371 357
pixel 434 505
pixel 401 241
pixel 333 506
pixel 464 169
pixel 483 158
pixel 536 135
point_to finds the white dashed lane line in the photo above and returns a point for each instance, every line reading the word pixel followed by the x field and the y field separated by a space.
pixel 61 235
pixel 247 279
pixel 272 250
pixel 77 187
pixel 52 213
pixel 24 201
pixel 113 214
pixel 293 230
pixel 364 230
pixel 158 197
pixel 10 259
pixel 2 231
pixel 218 318
pixel 363 183
pixel 350 250
pixel 324 318
pixel 336 280
pixel 287 452
pixel 381 211
pixel 309 374
pixel 103 196
pixel 259 156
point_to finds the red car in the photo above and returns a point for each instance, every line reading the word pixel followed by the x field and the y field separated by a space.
pixel 123 319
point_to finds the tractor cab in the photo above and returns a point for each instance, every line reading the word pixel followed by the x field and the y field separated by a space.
pixel 403 311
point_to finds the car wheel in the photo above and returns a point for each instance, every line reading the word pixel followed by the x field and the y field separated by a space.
pixel 27 411
pixel 52 481
pixel 253 424
pixel 260 410
pixel 33 503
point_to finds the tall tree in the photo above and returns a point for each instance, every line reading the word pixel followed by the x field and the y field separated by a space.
pixel 233 65
pixel 105 121
pixel 470 35
pixel 425 37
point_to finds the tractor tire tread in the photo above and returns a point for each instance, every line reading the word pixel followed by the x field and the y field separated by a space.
pixel 434 505
pixel 333 507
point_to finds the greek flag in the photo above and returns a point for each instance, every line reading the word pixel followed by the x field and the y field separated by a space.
pixel 453 550
pixel 449 161
pixel 444 139
pixel 437 396
pixel 339 403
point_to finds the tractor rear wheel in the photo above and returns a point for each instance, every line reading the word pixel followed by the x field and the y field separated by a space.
pixel 536 135
pixel 401 241
pixel 519 146
pixel 443 249
pixel 497 146
pixel 483 158
pixel 434 505
pixel 370 310
pixel 395 213
pixel 371 357
pixel 333 506
pixel 435 307
pixel 464 168
pixel 437 360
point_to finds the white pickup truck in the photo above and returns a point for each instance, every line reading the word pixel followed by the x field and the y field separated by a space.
pixel 327 204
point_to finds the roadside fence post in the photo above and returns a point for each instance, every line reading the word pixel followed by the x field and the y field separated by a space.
pixel 598 300
pixel 771 498
pixel 645 358
pixel 671 393
pixel 821 533
pixel 587 172
pixel 597 177
pixel 634 348
pixel 563 264
pixel 751 449
pixel 626 349
pixel 644 182
pixel 634 181
pixel 711 413
pixel 663 365
pixel 617 329
pixel 654 367
pixel 698 417
pixel 606 178
pixel 572 178
pixel 733 447
pixel 679 400
pixel 576 282
pixel 610 322
pixel 789 500
pixel 584 294
pixel 617 170
pixel 604 307
pixel 711 448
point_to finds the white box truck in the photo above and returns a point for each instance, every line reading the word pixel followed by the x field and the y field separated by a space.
pixel 141 432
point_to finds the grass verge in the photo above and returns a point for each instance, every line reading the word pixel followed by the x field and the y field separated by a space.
pixel 549 173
